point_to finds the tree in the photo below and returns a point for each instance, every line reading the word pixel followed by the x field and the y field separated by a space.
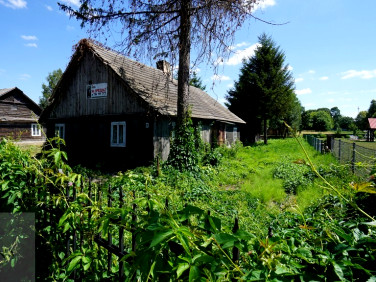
pixel 322 120
pixel 265 89
pixel 346 122
pixel 361 120
pixel 372 109
pixel 167 28
pixel 52 80
pixel 197 82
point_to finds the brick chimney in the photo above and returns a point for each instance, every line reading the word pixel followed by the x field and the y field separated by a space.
pixel 165 67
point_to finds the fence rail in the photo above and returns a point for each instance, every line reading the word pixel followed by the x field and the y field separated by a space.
pixel 361 160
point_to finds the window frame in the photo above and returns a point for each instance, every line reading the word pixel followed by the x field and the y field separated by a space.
pixel 235 133
pixel 35 129
pixel 118 124
pixel 61 128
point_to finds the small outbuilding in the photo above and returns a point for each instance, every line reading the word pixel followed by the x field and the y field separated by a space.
pixel 114 111
pixel 371 129
pixel 19 116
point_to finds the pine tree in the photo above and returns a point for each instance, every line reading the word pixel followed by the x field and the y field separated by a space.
pixel 265 89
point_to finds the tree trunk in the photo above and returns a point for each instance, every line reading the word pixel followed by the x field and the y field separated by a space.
pixel 265 131
pixel 184 61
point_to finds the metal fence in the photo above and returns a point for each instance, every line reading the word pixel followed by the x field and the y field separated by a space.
pixel 361 160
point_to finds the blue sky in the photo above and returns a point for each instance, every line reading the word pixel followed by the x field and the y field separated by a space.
pixel 329 45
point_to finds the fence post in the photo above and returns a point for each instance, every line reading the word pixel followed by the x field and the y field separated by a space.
pixel 68 235
pixel 353 159
pixel 235 250
pixel 109 235
pixel 121 239
pixel 339 150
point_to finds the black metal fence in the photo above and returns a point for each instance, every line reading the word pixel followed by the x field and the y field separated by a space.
pixel 360 159
pixel 116 242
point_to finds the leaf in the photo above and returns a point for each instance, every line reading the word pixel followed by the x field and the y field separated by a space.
pixel 159 237
pixel 194 273
pixel 181 268
pixel 338 270
pixel 223 238
pixel 365 187
pixel 66 227
pixel 87 266
pixel 73 263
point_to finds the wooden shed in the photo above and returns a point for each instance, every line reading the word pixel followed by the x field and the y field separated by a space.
pixel 371 129
pixel 19 116
pixel 116 111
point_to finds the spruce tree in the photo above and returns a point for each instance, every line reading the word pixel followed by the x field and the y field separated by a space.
pixel 265 89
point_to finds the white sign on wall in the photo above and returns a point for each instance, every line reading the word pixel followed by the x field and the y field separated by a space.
pixel 98 90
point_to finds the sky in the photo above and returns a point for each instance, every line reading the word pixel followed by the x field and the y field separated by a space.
pixel 329 47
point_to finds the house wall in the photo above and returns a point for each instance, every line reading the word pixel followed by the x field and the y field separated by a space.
pixel 161 140
pixel 75 102
pixel 17 114
pixel 88 141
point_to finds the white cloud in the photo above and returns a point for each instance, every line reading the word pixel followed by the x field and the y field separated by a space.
pixel 220 77
pixel 324 78
pixel 299 79
pixel 29 37
pixel 238 56
pixel 25 76
pixel 264 4
pixel 72 2
pixel 49 8
pixel 331 100
pixel 14 4
pixel 34 45
pixel 303 91
pixel 311 71
pixel 364 74
pixel 289 68
pixel 230 85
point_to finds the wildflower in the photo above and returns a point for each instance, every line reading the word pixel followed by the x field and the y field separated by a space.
pixel 70 183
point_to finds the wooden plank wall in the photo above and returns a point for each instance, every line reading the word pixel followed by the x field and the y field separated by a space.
pixel 74 101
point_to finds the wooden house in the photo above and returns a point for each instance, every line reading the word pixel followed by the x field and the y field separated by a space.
pixel 19 116
pixel 116 111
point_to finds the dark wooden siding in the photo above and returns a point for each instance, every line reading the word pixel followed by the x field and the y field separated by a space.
pixel 17 114
pixel 73 97
pixel 88 141
pixel 161 140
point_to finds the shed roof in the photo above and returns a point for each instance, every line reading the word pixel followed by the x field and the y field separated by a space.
pixel 372 123
pixel 158 89
pixel 6 90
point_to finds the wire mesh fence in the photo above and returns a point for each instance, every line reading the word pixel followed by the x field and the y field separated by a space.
pixel 360 159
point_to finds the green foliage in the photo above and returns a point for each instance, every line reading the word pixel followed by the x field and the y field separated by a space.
pixel 265 90
pixel 183 154
pixel 176 237
pixel 197 82
pixel 47 90
pixel 294 174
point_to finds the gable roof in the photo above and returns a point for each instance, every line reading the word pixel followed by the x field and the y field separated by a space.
pixel 23 100
pixel 156 88
pixel 6 90
pixel 372 123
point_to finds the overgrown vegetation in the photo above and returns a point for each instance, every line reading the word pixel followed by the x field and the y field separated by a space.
pixel 291 224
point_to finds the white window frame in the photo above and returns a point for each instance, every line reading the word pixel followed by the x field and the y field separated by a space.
pixel 35 129
pixel 117 143
pixel 60 130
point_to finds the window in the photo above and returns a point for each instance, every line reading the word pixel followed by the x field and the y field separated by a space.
pixel 235 133
pixel 118 134
pixel 60 130
pixel 35 129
